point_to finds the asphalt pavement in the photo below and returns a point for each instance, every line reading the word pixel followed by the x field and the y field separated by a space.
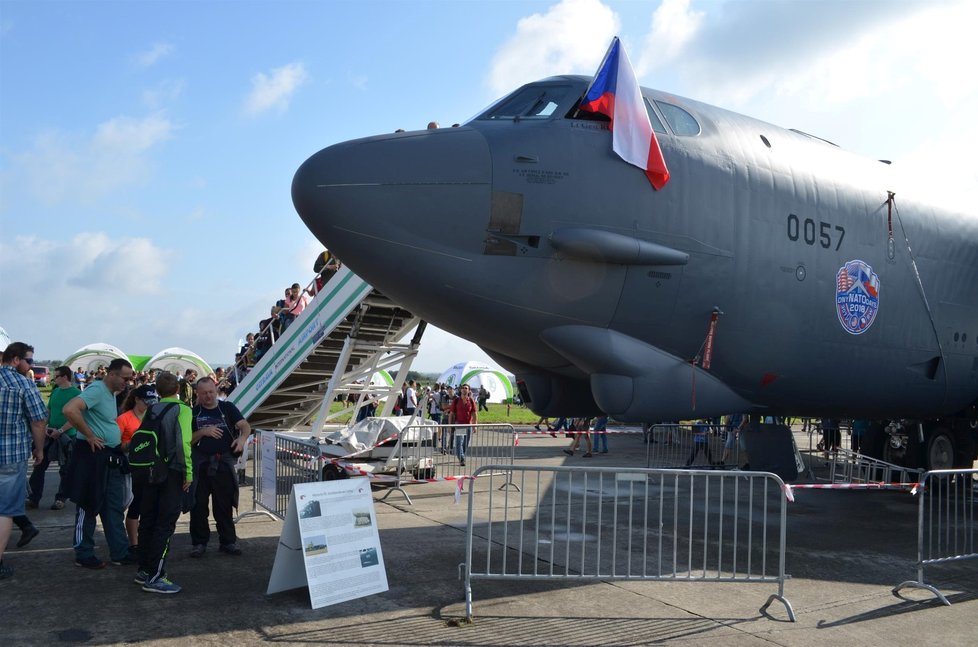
pixel 846 551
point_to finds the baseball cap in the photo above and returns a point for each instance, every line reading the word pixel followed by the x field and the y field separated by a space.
pixel 147 393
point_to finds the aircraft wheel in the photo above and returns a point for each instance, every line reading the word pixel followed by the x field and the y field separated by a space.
pixel 893 455
pixel 940 451
pixel 333 472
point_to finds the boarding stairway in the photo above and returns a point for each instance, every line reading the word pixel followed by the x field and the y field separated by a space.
pixel 346 334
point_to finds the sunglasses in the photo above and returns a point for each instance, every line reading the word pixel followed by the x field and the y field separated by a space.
pixel 29 360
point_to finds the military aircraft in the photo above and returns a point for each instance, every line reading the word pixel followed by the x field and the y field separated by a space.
pixel 775 273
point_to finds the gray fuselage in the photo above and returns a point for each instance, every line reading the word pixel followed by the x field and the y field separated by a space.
pixel 527 235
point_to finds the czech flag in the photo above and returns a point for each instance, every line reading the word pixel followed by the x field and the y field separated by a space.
pixel 615 92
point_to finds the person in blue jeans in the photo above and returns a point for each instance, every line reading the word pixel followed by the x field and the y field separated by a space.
pixel 601 436
pixel 701 442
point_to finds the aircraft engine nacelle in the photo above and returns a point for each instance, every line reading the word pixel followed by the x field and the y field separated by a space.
pixel 551 395
pixel 633 381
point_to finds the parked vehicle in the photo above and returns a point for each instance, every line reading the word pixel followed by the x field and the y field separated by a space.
pixel 41 375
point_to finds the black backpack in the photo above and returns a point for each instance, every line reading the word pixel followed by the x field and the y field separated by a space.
pixel 147 449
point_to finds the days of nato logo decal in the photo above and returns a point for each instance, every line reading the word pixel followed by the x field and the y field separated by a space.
pixel 857 296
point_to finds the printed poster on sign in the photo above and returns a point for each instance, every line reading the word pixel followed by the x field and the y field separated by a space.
pixel 267 481
pixel 339 540
pixel 857 296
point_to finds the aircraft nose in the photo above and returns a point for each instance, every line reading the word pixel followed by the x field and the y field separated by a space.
pixel 366 196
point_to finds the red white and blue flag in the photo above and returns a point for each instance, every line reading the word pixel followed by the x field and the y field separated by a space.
pixel 615 92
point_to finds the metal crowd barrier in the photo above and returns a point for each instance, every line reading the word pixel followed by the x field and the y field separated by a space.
pixel 847 466
pixel 429 453
pixel 946 523
pixel 599 524
pixel 671 446
pixel 296 460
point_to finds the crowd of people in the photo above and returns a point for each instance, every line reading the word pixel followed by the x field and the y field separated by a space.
pixel 90 432
pixel 285 311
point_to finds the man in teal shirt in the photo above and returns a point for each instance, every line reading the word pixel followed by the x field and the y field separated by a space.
pixel 98 482
pixel 59 443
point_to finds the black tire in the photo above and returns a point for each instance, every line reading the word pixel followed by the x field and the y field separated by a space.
pixel 894 456
pixel 333 472
pixel 940 450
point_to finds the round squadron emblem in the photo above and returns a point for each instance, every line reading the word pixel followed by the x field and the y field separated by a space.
pixel 857 296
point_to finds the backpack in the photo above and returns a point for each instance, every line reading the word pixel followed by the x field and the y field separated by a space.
pixel 147 449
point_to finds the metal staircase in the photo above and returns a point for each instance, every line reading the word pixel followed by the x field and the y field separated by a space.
pixel 348 332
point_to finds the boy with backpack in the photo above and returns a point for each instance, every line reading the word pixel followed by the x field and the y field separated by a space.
pixel 159 456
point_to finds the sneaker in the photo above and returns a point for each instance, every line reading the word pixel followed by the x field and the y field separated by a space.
pixel 30 504
pixel 92 562
pixel 5 571
pixel 128 560
pixel 537 427
pixel 587 455
pixel 231 549
pixel 568 452
pixel 161 585
pixel 58 505
pixel 26 535
pixel 198 550
pixel 141 577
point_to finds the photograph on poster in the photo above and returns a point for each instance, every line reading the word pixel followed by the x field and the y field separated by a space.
pixel 311 509
pixel 361 518
pixel 316 545
pixel 368 557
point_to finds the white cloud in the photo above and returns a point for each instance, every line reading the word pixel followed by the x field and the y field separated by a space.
pixel 90 288
pixel 163 93
pixel 154 54
pixel 571 37
pixel 824 54
pixel 673 25
pixel 62 167
pixel 274 90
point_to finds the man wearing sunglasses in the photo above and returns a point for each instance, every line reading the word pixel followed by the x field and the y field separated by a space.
pixel 60 441
pixel 23 418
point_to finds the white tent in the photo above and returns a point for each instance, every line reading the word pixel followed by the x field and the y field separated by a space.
pixel 177 361
pixel 477 374
pixel 92 356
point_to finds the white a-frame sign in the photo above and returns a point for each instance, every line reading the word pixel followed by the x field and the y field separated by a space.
pixel 330 543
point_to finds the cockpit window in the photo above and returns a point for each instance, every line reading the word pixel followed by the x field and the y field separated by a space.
pixel 681 122
pixel 577 113
pixel 654 118
pixel 531 102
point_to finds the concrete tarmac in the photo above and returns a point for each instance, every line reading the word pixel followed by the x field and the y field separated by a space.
pixel 846 551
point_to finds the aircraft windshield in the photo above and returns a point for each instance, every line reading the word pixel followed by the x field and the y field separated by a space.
pixel 531 102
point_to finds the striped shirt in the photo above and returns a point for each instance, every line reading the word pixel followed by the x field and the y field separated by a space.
pixel 20 402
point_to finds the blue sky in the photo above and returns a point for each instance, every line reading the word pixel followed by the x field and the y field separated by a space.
pixel 147 148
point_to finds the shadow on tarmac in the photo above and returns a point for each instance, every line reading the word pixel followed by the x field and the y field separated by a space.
pixel 846 550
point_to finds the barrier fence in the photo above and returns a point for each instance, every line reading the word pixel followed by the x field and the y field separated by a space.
pixel 428 453
pixel 599 524
pixel 669 446
pixel 295 460
pixel 946 524
pixel 417 456
pixel 846 466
